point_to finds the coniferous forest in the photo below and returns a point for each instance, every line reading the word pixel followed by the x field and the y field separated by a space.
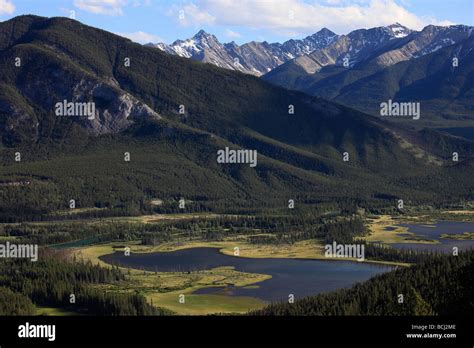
pixel 309 174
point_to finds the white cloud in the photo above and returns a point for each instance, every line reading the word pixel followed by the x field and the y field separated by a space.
pixel 232 34
pixel 141 37
pixel 293 17
pixel 190 14
pixel 442 23
pixel 105 7
pixel 6 7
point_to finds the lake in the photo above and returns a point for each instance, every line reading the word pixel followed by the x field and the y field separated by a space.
pixel 434 231
pixel 289 276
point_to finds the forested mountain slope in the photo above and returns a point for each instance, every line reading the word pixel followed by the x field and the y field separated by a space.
pixel 172 115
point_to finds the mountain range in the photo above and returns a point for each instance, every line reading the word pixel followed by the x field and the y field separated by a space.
pixel 255 58
pixel 172 115
pixel 360 69
pixel 433 67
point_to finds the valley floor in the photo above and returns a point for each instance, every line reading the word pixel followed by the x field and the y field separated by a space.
pixel 164 289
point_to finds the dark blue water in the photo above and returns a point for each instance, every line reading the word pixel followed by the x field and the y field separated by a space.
pixel 434 232
pixel 289 276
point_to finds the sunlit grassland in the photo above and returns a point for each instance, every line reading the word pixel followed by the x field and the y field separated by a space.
pixel 308 249
pixel 205 304
pixel 153 218
pixel 459 236
pixel 56 312
pixel 164 288
pixel 397 234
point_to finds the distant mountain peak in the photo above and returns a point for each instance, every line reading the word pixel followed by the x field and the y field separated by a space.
pixel 324 46
pixel 202 34
pixel 205 39
pixel 326 31
pixel 396 24
pixel 399 30
pixel 254 57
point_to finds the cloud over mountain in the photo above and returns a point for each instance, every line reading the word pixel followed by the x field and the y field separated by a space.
pixel 297 17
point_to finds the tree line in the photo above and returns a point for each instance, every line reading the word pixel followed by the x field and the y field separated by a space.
pixel 441 285
pixel 55 277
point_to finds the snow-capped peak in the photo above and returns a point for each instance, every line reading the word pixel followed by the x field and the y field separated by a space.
pixel 399 30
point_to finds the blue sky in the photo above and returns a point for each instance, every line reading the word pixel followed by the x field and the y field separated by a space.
pixel 243 20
